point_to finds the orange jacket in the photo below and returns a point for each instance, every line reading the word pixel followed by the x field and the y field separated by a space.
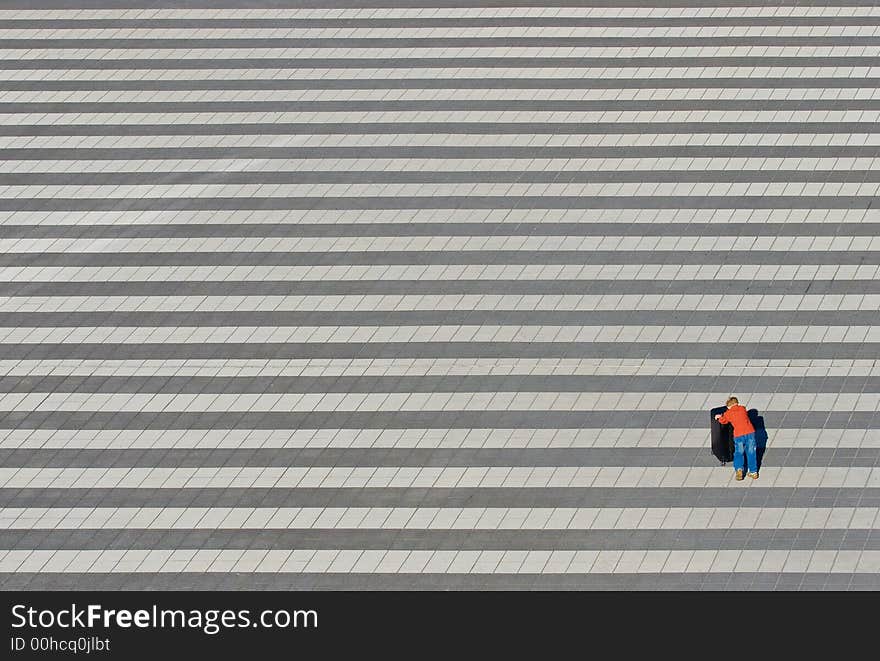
pixel 739 418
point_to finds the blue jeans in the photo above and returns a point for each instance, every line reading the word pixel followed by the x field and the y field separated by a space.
pixel 745 446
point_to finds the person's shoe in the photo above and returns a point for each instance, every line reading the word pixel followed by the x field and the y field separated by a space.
pixel 754 476
pixel 738 475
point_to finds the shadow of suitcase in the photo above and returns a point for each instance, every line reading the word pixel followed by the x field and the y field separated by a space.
pixel 722 437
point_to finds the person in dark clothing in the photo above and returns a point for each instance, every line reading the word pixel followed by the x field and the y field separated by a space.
pixel 745 444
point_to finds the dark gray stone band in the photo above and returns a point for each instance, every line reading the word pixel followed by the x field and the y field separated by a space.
pixel 429 287
pixel 446 383
pixel 440 202
pixel 803 82
pixel 531 257
pixel 461 128
pixel 756 539
pixel 440 152
pixel 500 317
pixel 398 42
pixel 472 419
pixel 448 497
pixel 444 22
pixel 326 230
pixel 358 63
pixel 720 581
pixel 435 176
pixel 421 457
pixel 401 4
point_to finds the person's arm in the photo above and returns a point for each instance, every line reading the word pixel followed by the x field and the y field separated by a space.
pixel 723 419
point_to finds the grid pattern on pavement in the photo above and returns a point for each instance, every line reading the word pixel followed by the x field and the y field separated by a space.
pixel 403 295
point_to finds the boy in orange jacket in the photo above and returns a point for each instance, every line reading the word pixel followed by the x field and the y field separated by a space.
pixel 743 438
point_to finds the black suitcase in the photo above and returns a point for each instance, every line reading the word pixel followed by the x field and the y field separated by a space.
pixel 722 437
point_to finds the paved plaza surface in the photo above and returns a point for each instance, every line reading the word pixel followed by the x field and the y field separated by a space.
pixel 403 295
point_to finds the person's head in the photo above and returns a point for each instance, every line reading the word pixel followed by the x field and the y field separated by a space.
pixel 732 401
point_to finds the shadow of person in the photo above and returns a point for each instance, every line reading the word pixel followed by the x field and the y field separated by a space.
pixel 757 421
